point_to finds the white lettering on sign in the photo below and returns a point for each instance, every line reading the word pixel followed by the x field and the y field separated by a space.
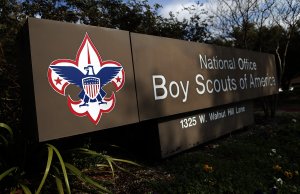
pixel 188 122
pixel 217 115
pixel 244 76
pixel 202 118
pixel 240 109
pixel 212 116
pixel 215 63
pixel 174 89
pixel 245 64
pixel 257 82
pixel 160 86
pixel 216 85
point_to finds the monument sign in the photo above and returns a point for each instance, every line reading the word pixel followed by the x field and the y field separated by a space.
pixel 85 78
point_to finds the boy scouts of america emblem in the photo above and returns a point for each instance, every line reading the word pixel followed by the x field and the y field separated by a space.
pixel 89 73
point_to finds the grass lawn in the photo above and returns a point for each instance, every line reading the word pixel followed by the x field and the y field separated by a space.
pixel 265 158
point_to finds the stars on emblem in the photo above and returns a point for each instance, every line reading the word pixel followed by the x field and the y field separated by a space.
pixel 58 81
pixel 118 79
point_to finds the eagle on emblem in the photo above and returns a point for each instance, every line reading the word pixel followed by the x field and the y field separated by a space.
pixel 90 83
pixel 91 74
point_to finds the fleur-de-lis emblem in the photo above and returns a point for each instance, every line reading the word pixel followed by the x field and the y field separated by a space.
pixel 90 74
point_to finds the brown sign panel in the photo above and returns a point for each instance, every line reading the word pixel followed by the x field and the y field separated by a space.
pixel 193 129
pixel 175 76
pixel 83 78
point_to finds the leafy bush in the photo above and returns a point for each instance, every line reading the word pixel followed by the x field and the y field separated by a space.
pixel 55 172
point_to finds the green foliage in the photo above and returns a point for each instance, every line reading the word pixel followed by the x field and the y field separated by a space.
pixel 132 15
pixel 56 173
pixel 56 170
pixel 197 26
pixel 75 171
pixel 7 172
pixel 242 163
pixel 3 138
pixel 112 162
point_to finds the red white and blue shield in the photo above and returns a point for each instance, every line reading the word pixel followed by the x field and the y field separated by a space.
pixel 91 86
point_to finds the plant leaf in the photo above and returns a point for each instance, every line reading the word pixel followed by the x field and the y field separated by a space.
pixel 101 165
pixel 13 190
pixel 25 189
pixel 123 169
pixel 110 162
pixel 85 178
pixel 5 126
pixel 89 152
pixel 59 185
pixel 58 181
pixel 94 153
pixel 125 161
pixel 4 140
pixel 7 172
pixel 62 164
pixel 49 161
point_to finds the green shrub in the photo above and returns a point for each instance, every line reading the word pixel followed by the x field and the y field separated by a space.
pixel 55 172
